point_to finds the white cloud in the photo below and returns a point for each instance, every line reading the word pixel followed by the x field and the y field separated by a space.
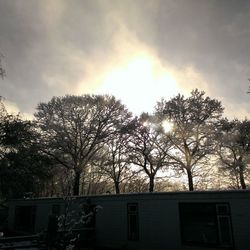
pixel 134 73
pixel 12 108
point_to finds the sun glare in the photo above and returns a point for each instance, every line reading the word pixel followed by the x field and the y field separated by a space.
pixel 139 83
pixel 167 126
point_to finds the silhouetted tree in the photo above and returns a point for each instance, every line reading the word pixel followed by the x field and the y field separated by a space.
pixel 75 128
pixel 194 119
pixel 23 168
pixel 137 184
pixel 113 161
pixel 147 149
pixel 234 148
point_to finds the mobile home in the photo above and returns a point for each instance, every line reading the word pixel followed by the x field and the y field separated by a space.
pixel 152 221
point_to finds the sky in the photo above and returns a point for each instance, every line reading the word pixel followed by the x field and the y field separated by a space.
pixel 138 50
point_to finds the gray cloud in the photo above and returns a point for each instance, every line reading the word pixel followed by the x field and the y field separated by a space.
pixel 47 44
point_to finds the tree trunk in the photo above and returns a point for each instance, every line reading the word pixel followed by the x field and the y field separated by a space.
pixel 76 184
pixel 242 179
pixel 190 180
pixel 117 187
pixel 151 183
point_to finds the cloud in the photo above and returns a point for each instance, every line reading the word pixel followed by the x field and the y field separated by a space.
pixel 134 73
pixel 54 48
pixel 12 108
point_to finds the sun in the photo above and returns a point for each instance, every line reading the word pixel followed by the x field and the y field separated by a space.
pixel 139 83
pixel 167 126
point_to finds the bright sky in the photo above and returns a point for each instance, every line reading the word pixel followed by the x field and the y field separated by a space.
pixel 139 51
pixel 140 82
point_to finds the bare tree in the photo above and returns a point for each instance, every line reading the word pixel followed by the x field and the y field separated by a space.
pixel 147 149
pixel 114 162
pixel 194 119
pixel 137 184
pixel 75 128
pixel 234 149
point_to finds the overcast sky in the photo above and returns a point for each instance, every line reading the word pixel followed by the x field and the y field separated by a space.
pixel 138 50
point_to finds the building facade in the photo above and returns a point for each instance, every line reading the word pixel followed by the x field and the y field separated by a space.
pixel 150 221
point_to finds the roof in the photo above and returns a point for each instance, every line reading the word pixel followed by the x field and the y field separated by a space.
pixel 149 195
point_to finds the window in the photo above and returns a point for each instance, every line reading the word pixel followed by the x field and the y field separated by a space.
pixel 25 218
pixel 206 224
pixel 133 222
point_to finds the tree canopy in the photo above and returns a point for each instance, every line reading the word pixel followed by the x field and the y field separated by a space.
pixel 194 121
pixel 23 168
pixel 148 150
pixel 75 128
pixel 93 144
pixel 234 149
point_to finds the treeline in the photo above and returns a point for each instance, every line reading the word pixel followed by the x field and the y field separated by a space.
pixel 93 144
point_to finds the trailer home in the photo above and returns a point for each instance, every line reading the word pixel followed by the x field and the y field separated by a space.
pixel 151 221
